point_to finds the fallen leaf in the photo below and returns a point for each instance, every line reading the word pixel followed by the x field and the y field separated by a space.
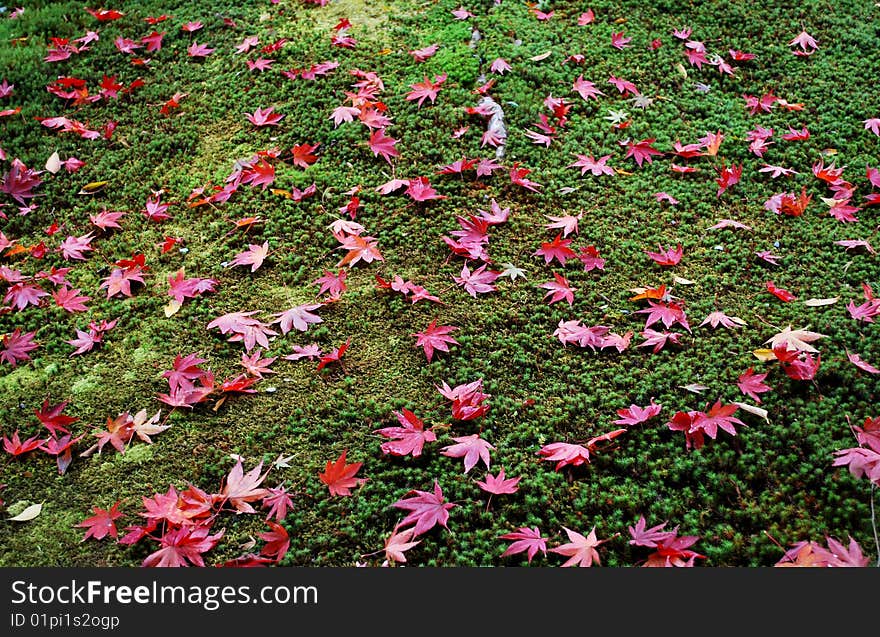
pixel 53 164
pixel 172 308
pixel 820 302
pixel 761 413
pixel 764 355
pixel 93 187
pixel 28 514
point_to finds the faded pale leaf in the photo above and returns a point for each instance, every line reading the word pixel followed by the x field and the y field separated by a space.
pixel 28 514
pixel 761 413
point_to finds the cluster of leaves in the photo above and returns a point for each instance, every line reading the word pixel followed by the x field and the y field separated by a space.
pixel 325 122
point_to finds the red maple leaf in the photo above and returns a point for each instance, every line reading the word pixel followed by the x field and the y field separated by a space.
pixel 435 337
pixel 304 155
pixel 719 416
pixel 557 249
pixel 339 476
pixel 407 439
pixel 642 150
pixel 780 293
pixel 53 419
pixel 277 541
pixel 752 384
pixel 16 447
pixel 333 357
pixel 102 523
pixel 426 89
pixel 426 509
pixel 184 546
pixel 380 144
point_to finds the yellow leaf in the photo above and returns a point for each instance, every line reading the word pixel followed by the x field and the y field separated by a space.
pixel 621 171
pixel 93 187
pixel 172 308
pixel 282 193
pixel 28 514
pixel 764 354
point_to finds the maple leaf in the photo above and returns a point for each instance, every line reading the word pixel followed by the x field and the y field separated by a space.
pixel 668 313
pixel 751 384
pixel 380 144
pixel 72 248
pixel 102 523
pixel 120 280
pixel 166 507
pixel 499 485
pixel 299 317
pixel 719 416
pixel 581 551
pixel 720 318
pixel 658 340
pixel 559 289
pixel 264 117
pixel 277 541
pixel 586 89
pixel 780 293
pixel 70 300
pixel 596 166
pixel 668 257
pixel 856 360
pixel 727 177
pixel 634 415
pixel 253 256
pixel 409 438
pixel 16 447
pixel 334 356
pixel 196 50
pixel 359 249
pixel 339 476
pixel 427 509
pixel 567 223
pixel 399 542
pixel 472 448
pixel 420 189
pixel 303 155
pixel 278 500
pixel 183 546
pixel 864 312
pixel 557 249
pixel 426 89
pixel 806 42
pixel 795 339
pixel 565 454
pixel 480 281
pixel 332 284
pixel 256 366
pixel 24 294
pixel 525 540
pixel 642 536
pixel 861 462
pixel 435 337
pixel 641 151
pixel 16 347
pixel 241 488
pixel 20 181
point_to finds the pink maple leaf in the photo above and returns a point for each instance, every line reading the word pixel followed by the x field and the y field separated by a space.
pixel 264 117
pixel 409 438
pixel 253 256
pixel 525 540
pixel 427 509
pixel 559 289
pixel 435 337
pixel 472 448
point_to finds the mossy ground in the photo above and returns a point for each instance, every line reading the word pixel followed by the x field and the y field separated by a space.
pixel 773 482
